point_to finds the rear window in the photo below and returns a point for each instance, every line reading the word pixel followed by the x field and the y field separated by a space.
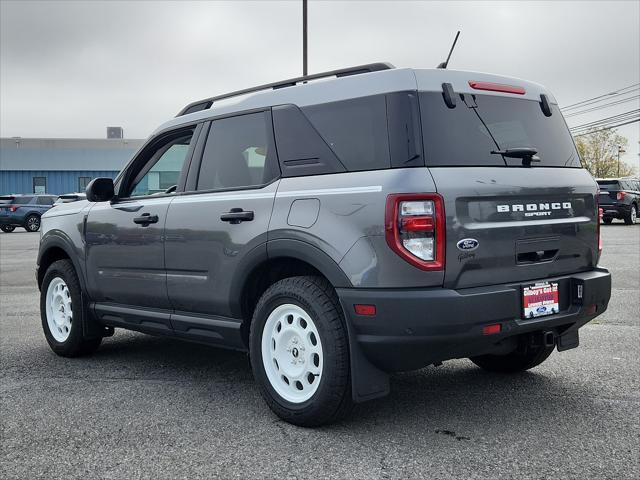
pixel 15 200
pixel 479 124
pixel 609 184
pixel 356 131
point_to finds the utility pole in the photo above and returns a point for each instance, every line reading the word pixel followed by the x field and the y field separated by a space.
pixel 620 150
pixel 304 38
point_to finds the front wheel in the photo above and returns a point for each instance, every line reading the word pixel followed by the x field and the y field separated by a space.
pixel 7 228
pixel 299 352
pixel 632 216
pixel 61 311
pixel 517 361
pixel 32 223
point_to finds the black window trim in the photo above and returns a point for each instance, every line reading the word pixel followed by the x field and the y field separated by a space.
pixel 194 169
pixel 125 181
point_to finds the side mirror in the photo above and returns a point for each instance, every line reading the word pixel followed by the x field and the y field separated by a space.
pixel 100 190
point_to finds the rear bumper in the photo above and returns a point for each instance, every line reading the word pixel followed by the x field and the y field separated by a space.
pixel 414 328
pixel 615 211
pixel 11 220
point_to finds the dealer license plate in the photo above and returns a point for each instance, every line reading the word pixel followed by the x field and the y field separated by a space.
pixel 540 299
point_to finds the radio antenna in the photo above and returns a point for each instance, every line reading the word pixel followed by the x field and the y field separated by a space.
pixel 445 63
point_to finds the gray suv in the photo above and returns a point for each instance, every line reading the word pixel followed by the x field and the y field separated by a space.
pixel 380 220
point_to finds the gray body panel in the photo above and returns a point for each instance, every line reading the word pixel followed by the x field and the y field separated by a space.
pixel 125 261
pixel 203 253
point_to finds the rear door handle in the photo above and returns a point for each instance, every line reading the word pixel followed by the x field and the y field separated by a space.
pixel 237 215
pixel 145 219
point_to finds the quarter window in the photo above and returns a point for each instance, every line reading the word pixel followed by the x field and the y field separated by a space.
pixel 238 153
pixel 356 131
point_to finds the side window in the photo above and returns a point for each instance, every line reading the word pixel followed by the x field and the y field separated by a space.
pixel 356 130
pixel 23 200
pixel 45 201
pixel 162 171
pixel 238 153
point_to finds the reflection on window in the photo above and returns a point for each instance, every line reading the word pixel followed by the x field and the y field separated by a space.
pixel 165 172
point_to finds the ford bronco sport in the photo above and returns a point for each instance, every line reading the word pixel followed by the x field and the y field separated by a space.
pixel 339 230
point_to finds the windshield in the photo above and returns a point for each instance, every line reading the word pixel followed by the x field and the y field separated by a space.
pixel 480 124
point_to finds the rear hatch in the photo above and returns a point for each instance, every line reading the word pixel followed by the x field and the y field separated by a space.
pixel 6 202
pixel 521 222
pixel 608 191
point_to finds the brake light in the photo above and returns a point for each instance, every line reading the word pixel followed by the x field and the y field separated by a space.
pixel 620 195
pixel 13 209
pixel 496 87
pixel 414 229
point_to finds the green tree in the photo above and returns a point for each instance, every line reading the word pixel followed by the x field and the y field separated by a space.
pixel 599 153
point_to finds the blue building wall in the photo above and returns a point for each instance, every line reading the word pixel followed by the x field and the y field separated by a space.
pixel 58 182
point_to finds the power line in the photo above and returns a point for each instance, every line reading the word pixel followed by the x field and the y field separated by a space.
pixel 600 107
pixel 608 128
pixel 615 92
pixel 613 118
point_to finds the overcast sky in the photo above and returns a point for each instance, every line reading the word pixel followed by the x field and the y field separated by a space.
pixel 69 69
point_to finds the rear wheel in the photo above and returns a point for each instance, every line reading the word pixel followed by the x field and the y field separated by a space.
pixel 524 358
pixel 299 352
pixel 7 228
pixel 61 311
pixel 607 220
pixel 32 223
pixel 631 217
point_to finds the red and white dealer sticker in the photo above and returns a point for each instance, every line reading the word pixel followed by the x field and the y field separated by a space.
pixel 540 299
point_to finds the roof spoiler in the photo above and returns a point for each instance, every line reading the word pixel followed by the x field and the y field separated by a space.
pixel 344 72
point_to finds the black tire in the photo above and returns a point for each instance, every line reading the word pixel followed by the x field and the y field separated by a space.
pixel 75 345
pixel 332 399
pixel 518 361
pixel 607 220
pixel 630 218
pixel 7 228
pixel 32 223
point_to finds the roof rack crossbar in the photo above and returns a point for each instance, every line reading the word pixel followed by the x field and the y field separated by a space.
pixel 344 72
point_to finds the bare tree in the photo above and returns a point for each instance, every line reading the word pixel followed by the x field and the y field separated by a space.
pixel 599 151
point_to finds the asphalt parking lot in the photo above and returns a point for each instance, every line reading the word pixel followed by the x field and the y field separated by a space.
pixel 148 407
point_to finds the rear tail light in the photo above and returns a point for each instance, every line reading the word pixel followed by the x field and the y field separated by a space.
pixel 414 227
pixel 13 209
pixel 620 195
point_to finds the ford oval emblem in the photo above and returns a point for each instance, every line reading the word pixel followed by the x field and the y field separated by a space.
pixel 467 244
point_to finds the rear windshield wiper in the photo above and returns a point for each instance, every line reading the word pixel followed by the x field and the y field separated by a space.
pixel 527 154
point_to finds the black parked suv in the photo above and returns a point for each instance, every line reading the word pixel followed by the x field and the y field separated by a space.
pixel 339 230
pixel 23 211
pixel 619 198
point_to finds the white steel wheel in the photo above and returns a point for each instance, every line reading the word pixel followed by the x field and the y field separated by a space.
pixel 59 309
pixel 292 353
